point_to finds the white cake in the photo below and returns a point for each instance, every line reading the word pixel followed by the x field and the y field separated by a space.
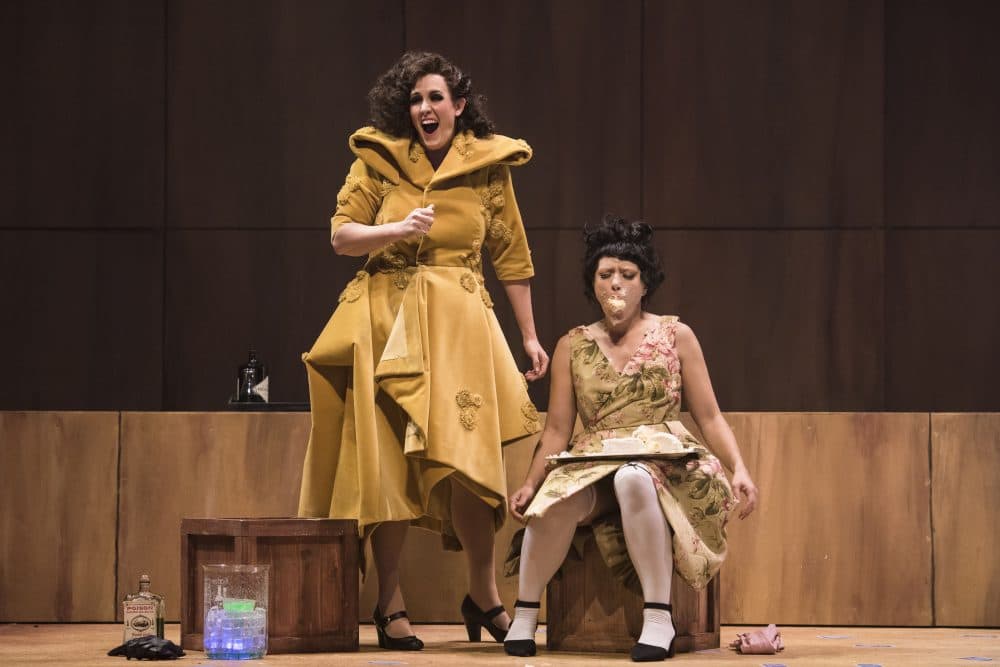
pixel 622 446
pixel 644 440
pixel 658 442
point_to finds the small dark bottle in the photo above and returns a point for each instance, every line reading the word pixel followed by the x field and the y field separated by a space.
pixel 251 381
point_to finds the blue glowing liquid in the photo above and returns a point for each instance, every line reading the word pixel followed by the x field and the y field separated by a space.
pixel 235 635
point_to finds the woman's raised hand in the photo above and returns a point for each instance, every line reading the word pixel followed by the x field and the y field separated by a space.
pixel 519 501
pixel 417 223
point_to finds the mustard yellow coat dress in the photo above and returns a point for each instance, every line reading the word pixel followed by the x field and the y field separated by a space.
pixel 412 381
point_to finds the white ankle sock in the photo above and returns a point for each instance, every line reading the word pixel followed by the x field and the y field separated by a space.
pixel 524 624
pixel 657 628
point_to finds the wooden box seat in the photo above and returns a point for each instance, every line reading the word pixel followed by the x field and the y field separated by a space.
pixel 589 610
pixel 313 584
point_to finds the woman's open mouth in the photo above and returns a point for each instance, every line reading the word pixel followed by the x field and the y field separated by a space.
pixel 429 127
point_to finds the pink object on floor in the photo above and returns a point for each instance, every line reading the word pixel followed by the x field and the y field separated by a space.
pixel 762 642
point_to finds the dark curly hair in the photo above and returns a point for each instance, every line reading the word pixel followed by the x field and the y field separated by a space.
pixel 389 98
pixel 621 239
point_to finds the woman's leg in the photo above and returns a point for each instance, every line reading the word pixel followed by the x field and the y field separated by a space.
pixel 546 541
pixel 647 536
pixel 473 521
pixel 387 546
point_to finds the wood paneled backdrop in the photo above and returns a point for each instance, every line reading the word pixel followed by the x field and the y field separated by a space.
pixel 822 175
pixel 864 519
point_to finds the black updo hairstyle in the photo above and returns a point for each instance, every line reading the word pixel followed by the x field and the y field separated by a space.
pixel 622 239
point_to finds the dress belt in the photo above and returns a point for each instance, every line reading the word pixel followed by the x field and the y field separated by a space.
pixel 382 268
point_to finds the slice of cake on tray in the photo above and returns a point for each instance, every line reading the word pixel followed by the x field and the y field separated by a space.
pixel 644 440
pixel 622 446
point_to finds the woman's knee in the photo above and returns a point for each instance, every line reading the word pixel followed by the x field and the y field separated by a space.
pixel 633 485
pixel 573 508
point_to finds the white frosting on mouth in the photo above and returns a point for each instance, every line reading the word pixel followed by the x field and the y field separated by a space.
pixel 615 303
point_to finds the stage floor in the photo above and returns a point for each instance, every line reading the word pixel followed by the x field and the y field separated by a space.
pixel 88 644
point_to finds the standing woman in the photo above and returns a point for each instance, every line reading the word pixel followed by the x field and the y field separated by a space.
pixel 413 387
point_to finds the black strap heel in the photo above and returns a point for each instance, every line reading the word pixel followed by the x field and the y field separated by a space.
pixel 476 619
pixel 408 643
pixel 522 647
pixel 648 653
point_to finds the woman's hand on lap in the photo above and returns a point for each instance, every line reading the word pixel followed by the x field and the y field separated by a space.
pixel 519 501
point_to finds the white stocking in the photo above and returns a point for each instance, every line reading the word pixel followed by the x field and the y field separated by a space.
pixel 648 539
pixel 546 541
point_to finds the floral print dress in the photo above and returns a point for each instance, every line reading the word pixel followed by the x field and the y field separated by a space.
pixel 694 493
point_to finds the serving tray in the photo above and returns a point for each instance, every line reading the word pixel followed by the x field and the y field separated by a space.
pixel 601 456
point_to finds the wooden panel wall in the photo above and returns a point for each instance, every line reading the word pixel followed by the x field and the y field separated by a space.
pixel 176 465
pixel 762 130
pixel 58 490
pixel 821 162
pixel 941 109
pixel 942 205
pixel 85 324
pixel 258 150
pixel 83 114
pixel 810 343
pixel 762 115
pixel 965 457
pixel 843 536
pixel 212 323
pixel 861 514
pixel 249 465
pixel 930 361
pixel 81 204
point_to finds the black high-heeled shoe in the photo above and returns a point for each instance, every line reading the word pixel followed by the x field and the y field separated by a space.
pixel 522 647
pixel 649 653
pixel 408 643
pixel 476 619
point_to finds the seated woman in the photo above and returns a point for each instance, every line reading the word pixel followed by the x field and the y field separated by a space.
pixel 621 373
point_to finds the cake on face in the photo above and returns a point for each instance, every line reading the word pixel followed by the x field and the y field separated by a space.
pixel 616 304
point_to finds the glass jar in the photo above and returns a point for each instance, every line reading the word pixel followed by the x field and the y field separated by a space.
pixel 236 599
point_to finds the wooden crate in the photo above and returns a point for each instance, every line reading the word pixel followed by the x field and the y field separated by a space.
pixel 313 585
pixel 589 610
